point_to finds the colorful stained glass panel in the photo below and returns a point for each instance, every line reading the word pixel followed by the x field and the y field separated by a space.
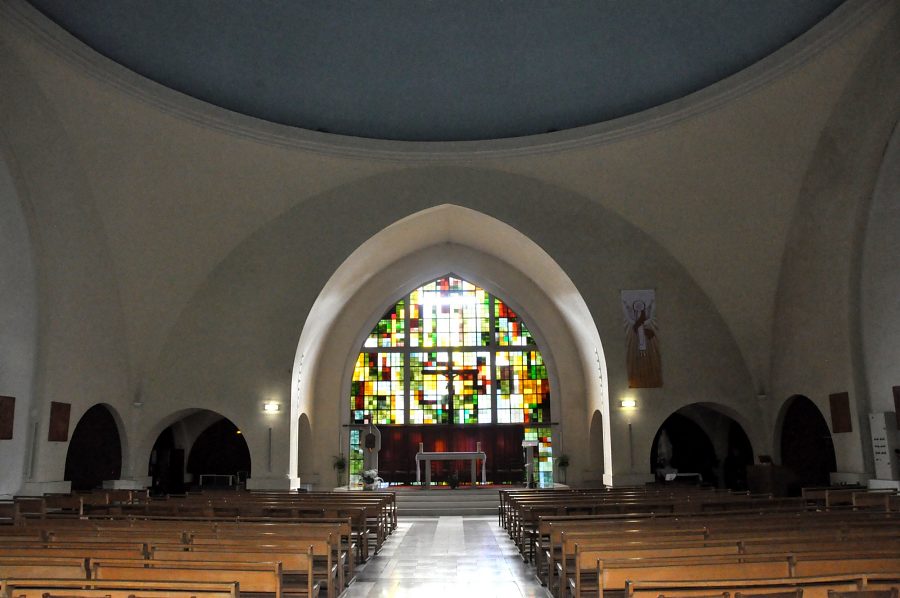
pixel 376 392
pixel 509 328
pixel 391 328
pixel 543 474
pixel 449 312
pixel 523 391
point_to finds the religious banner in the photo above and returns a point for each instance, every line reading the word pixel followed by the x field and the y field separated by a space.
pixel 59 422
pixel 642 339
pixel 840 412
pixel 7 417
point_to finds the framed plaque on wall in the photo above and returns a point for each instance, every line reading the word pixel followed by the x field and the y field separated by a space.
pixel 7 417
pixel 59 421
pixel 840 413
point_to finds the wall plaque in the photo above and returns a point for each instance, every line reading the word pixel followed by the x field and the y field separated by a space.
pixel 59 421
pixel 7 417
pixel 897 405
pixel 840 412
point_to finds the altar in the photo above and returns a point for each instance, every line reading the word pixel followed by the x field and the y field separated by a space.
pixel 472 456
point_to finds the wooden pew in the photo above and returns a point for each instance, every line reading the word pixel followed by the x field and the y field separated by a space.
pixel 813 587
pixel 258 577
pixel 613 574
pixel 59 567
pixel 54 588
pixel 297 560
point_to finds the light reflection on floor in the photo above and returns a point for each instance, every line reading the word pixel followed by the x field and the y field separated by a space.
pixel 447 556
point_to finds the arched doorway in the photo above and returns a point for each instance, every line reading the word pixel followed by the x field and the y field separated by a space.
pixel 699 439
pixel 202 442
pixel 451 367
pixel 597 461
pixel 95 451
pixel 220 450
pixel 807 449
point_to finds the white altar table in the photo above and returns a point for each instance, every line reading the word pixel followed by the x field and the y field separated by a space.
pixel 472 456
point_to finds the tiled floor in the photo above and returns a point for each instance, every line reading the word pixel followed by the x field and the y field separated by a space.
pixel 447 556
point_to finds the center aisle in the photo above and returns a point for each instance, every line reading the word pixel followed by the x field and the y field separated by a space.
pixel 447 556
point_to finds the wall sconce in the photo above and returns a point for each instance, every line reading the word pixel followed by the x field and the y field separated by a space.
pixel 627 403
pixel 271 407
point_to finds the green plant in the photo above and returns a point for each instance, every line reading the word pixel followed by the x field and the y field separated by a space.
pixel 339 462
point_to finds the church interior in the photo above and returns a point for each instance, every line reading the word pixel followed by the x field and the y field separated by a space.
pixel 581 246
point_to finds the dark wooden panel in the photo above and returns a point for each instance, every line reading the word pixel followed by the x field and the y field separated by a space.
pixel 840 412
pixel 7 417
pixel 897 405
pixel 59 421
pixel 501 443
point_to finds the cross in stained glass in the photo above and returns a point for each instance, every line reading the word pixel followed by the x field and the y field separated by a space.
pixel 450 373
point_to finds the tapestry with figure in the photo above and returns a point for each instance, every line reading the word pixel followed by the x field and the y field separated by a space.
pixel 642 339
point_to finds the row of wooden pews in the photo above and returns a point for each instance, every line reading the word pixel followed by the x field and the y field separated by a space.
pixel 271 543
pixel 581 543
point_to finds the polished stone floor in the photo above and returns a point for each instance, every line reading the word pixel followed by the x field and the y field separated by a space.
pixel 447 556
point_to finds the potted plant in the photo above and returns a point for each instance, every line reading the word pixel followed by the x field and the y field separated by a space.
pixel 563 463
pixel 339 464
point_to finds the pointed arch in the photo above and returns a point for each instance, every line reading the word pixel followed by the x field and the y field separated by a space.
pixel 424 246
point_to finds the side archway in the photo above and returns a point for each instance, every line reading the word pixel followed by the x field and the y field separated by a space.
pixel 304 447
pixel 807 448
pixel 596 443
pixel 95 450
pixel 703 438
pixel 194 442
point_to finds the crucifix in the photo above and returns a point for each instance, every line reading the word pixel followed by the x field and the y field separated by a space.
pixel 450 373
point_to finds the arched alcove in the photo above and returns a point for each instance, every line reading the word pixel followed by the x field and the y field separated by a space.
pixel 596 444
pixel 304 447
pixel 219 450
pixel 701 438
pixel 196 442
pixel 95 450
pixel 425 246
pixel 807 448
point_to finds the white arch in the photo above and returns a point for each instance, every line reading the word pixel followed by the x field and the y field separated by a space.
pixel 425 245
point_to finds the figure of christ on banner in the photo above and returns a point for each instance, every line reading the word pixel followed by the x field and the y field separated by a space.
pixel 642 339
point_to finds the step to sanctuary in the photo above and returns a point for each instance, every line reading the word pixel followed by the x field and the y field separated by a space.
pixel 417 502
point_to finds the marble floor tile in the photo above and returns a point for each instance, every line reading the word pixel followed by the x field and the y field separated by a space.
pixel 446 556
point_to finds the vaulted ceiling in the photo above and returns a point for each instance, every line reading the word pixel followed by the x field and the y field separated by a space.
pixel 436 71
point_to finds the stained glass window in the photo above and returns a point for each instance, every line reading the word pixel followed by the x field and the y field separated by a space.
pixel 509 328
pixel 390 330
pixel 356 458
pixel 451 353
pixel 376 392
pixel 543 474
pixel 523 391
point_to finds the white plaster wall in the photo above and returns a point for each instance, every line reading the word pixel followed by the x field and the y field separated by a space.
pixel 818 348
pixel 234 346
pixel 179 248
pixel 880 307
pixel 18 330
pixel 81 357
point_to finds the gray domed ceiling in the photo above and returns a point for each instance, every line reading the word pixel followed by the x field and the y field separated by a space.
pixel 434 70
